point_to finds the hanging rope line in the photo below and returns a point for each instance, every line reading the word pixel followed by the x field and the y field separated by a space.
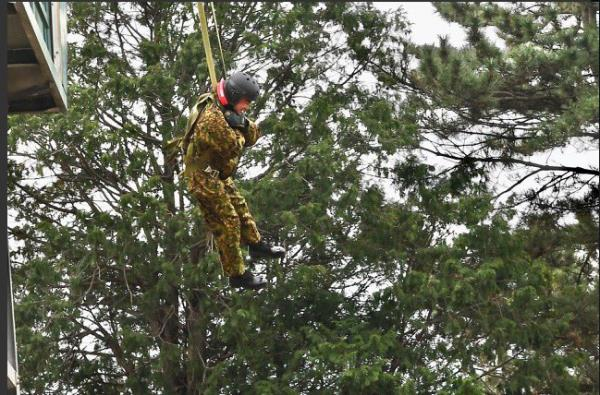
pixel 212 5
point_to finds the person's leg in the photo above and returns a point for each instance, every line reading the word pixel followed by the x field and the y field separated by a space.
pixel 249 231
pixel 222 220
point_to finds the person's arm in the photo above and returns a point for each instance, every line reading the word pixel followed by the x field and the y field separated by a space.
pixel 215 132
pixel 252 134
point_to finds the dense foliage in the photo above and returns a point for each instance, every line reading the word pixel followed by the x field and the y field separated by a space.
pixel 404 275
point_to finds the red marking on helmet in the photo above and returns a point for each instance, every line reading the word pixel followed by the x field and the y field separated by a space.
pixel 221 92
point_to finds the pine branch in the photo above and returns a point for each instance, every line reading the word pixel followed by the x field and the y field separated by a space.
pixel 508 161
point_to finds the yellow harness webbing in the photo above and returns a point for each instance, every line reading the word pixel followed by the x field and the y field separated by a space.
pixel 207 49
pixel 212 6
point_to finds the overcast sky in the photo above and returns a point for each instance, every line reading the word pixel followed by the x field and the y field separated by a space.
pixel 427 25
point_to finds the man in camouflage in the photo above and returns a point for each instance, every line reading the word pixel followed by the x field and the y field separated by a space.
pixel 220 131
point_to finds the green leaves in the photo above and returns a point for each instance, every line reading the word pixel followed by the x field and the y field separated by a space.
pixel 403 275
pixel 513 98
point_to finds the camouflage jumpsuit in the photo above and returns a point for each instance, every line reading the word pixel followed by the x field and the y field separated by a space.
pixel 211 159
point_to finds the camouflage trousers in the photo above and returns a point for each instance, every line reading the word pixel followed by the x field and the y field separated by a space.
pixel 227 216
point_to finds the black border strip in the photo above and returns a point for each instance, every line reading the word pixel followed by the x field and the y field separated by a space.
pixel 3 200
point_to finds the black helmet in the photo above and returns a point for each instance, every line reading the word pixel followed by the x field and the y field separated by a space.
pixel 240 85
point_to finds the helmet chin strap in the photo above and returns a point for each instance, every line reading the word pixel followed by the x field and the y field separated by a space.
pixel 221 93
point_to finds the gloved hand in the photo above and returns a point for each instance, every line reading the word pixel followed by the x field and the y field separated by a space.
pixel 237 121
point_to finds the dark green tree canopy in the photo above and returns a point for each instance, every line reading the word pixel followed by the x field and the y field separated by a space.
pixel 403 276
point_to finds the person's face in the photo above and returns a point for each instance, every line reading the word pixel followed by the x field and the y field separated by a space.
pixel 241 106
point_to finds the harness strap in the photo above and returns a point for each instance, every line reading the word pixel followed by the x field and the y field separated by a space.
pixel 207 49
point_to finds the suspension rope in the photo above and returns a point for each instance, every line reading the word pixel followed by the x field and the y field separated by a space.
pixel 212 5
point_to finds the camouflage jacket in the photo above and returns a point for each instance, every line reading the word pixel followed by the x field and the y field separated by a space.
pixel 216 144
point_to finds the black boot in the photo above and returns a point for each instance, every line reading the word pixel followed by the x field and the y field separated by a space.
pixel 264 250
pixel 248 281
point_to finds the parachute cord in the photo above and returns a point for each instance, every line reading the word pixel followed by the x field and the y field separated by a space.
pixel 212 5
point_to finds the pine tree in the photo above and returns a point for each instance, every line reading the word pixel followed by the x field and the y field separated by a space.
pixel 117 291
pixel 488 109
pixel 489 106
